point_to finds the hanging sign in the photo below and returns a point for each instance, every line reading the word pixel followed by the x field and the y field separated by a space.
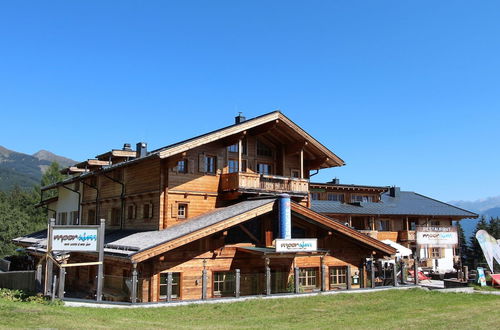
pixel 75 238
pixel 437 236
pixel 297 245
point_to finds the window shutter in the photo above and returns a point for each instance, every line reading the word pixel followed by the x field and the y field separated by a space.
pixel 201 162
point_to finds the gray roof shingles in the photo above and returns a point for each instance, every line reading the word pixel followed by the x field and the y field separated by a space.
pixel 407 203
pixel 127 242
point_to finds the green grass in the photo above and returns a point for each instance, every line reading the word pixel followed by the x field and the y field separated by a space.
pixel 396 309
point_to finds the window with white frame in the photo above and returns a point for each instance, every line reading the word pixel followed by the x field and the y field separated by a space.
pixel 182 210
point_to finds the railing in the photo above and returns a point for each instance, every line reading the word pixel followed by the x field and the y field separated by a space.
pixel 261 182
pixel 382 235
pixel 406 235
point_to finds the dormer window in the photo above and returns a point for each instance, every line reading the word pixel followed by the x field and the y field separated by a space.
pixel 335 197
pixel 362 198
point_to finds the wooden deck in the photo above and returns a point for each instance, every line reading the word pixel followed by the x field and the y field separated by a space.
pixel 254 182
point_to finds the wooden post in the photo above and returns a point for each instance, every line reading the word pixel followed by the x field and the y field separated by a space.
pixel 169 286
pixel 348 278
pixel 362 274
pixel 323 274
pixel 466 273
pixel 395 273
pixel 62 278
pixel 240 147
pixel 415 271
pixel 302 163
pixel 133 297
pixel 297 282
pixel 268 278
pixel 49 263
pixel 53 290
pixel 100 267
pixel 38 277
pixel 372 273
pixel 237 283
pixel 403 272
pixel 204 284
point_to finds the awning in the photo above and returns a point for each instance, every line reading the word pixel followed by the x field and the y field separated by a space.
pixel 402 251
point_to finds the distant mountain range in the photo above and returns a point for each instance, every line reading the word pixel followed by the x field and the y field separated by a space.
pixel 25 170
pixel 488 207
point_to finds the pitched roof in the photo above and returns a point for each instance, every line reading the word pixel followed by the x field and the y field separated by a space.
pixel 407 203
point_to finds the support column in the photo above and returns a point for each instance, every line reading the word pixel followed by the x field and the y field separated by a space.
pixel 324 274
pixel 169 286
pixel 302 163
pixel 240 147
pixel 237 284
pixel 49 264
pixel 348 278
pixel 204 281
pixel 268 278
pixel 415 271
pixel 372 273
pixel 395 272
pixel 38 277
pixel 296 277
pixel 53 289
pixel 133 297
pixel 62 278
pixel 466 273
pixel 100 267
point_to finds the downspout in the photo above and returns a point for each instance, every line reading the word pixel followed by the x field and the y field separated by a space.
pixel 79 200
pixel 311 175
pixel 122 198
pixel 96 200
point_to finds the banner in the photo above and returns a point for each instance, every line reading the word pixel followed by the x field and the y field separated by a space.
pixel 437 236
pixel 481 279
pixel 296 245
pixel 75 239
pixel 490 247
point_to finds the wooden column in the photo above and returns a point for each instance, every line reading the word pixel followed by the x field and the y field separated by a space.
pixel 133 297
pixel 53 288
pixel 38 277
pixel 49 265
pixel 296 278
pixel 100 267
pixel 466 273
pixel 237 283
pixel 302 163
pixel 407 224
pixel 415 271
pixel 348 278
pixel 324 274
pixel 395 273
pixel 240 147
pixel 349 220
pixel 362 274
pixel 62 278
pixel 204 281
pixel 268 277
pixel 169 286
pixel 372 273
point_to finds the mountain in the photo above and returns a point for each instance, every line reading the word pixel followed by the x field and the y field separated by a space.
pixel 25 170
pixel 487 207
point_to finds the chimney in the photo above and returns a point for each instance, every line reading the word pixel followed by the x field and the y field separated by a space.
pixel 239 118
pixel 335 181
pixel 127 147
pixel 394 191
pixel 141 149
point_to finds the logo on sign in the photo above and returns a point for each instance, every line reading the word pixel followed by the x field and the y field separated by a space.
pixel 78 239
pixel 296 245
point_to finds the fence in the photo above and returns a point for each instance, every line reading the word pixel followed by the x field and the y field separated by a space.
pixel 18 280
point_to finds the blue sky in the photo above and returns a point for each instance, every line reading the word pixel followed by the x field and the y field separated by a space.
pixel 407 93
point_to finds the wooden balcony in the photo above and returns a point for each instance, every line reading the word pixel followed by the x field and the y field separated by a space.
pixel 406 235
pixel 261 183
pixel 382 235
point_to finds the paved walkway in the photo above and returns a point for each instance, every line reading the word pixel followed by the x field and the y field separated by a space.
pixel 90 303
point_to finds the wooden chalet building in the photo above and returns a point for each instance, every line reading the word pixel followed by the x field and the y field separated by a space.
pixel 186 218
pixel 390 215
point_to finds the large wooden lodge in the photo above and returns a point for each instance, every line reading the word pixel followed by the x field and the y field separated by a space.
pixel 195 219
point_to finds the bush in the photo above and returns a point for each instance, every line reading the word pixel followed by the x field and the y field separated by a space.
pixel 21 296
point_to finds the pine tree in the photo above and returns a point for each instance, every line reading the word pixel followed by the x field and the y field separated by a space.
pixel 476 256
pixel 463 249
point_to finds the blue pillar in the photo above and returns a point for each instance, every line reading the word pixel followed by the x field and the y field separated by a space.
pixel 285 217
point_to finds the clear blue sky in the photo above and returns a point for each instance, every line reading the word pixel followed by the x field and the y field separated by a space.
pixel 407 93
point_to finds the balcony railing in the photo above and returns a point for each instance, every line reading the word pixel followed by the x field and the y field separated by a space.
pixel 406 235
pixel 382 235
pixel 254 182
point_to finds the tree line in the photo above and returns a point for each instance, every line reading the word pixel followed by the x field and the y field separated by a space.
pixel 18 214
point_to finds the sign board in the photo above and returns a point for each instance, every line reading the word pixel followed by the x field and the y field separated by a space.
pixel 296 245
pixel 75 238
pixel 437 236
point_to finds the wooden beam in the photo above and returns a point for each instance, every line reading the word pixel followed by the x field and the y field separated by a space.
pixel 295 147
pixel 252 236
pixel 263 128
pixel 302 163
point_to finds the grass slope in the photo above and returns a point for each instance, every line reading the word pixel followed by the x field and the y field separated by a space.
pixel 415 309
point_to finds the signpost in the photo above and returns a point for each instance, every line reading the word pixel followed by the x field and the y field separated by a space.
pixel 77 239
pixel 296 245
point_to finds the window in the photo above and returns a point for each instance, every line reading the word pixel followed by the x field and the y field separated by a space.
pixel 315 196
pixel 115 216
pixel 232 166
pixel 223 284
pixel 264 150
pixel 233 148
pixel 338 276
pixel 436 253
pixel 210 162
pixel 182 211
pixel 264 168
pixel 362 198
pixel 295 174
pixel 335 197
pixel 73 220
pixel 147 211
pixel 384 225
pixel 131 211
pixel 176 289
pixel 308 277
pixel 182 166
pixel 62 217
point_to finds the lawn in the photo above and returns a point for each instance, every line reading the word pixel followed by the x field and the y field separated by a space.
pixel 393 309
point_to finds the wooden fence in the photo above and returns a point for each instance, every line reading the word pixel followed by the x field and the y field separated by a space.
pixel 19 280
